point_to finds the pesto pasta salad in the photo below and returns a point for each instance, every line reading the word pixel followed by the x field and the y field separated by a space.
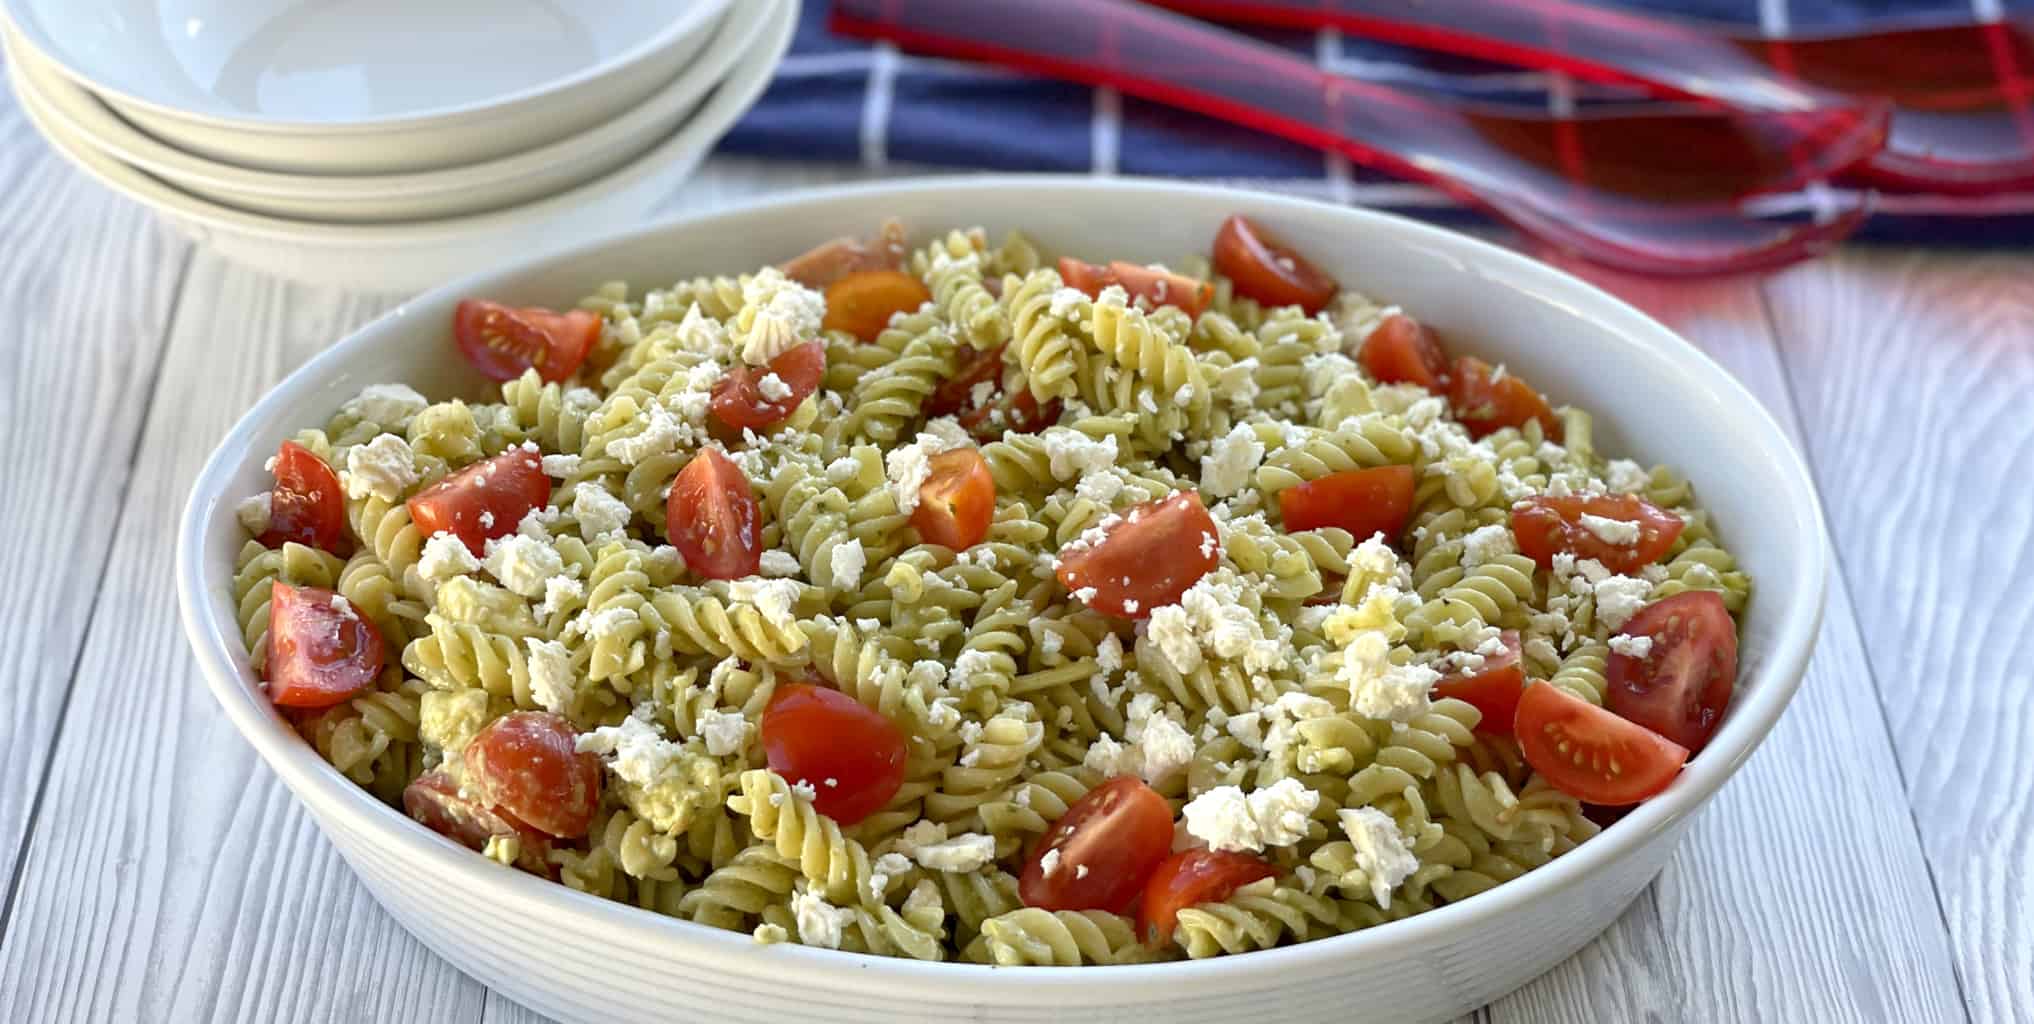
pixel 961 603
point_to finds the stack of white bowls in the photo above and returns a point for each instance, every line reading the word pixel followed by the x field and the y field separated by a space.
pixel 391 144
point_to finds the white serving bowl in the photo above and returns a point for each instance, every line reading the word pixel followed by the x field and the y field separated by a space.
pixel 367 86
pixel 387 198
pixel 418 254
pixel 583 958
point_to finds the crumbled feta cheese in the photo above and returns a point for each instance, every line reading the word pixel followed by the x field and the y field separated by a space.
pixel 1067 302
pixel 819 923
pixel 1221 818
pixel 446 556
pixel 560 466
pixel 661 433
pixel 724 731
pixel 1108 758
pixel 1163 750
pixel 773 598
pixel 601 515
pixel 1109 654
pixel 949 430
pixel 633 750
pixel 522 564
pixel 1399 693
pixel 1281 811
pixel 253 513
pixel 1618 598
pixel 777 315
pixel 1049 863
pixel 552 684
pixel 847 561
pixel 910 466
pixel 1211 619
pixel 1487 543
pixel 779 563
pixel 1625 476
pixel 1230 461
pixel 886 867
pixel 1611 531
pixel 1071 453
pixel 611 623
pixel 382 468
pixel 559 593
pixel 804 790
pixel 389 405
pixel 773 388
pixel 1632 646
pixel 968 852
pixel 1381 850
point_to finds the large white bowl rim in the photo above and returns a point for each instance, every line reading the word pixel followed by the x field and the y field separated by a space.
pixel 1772 674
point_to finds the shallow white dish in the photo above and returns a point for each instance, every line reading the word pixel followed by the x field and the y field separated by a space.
pixel 409 256
pixel 366 86
pixel 1653 395
pixel 383 198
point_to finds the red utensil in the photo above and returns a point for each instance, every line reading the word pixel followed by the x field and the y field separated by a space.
pixel 1655 192
pixel 1962 94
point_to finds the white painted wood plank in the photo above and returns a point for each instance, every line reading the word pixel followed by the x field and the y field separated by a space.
pixel 1915 371
pixel 1800 893
pixel 170 875
pixel 86 290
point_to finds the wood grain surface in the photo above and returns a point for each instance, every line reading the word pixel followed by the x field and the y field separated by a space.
pixel 1869 863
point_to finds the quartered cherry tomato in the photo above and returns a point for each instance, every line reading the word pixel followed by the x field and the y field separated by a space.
pixel 1266 269
pixel 828 262
pixel 483 501
pixel 1148 556
pixel 1191 877
pixel 741 400
pixel 1485 401
pixel 713 519
pixel 1494 688
pixel 1402 351
pixel 1681 685
pixel 306 506
pixel 956 503
pixel 1545 526
pixel 1101 852
pixel 1589 753
pixel 321 650
pixel 527 764
pixel 502 341
pixel 1156 287
pixel 1364 502
pixel 957 395
pixel 850 754
pixel 433 800
pixel 863 302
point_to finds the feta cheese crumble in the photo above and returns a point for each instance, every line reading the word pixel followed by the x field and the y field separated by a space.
pixel 1226 819
pixel 382 468
pixel 446 556
pixel 1620 532
pixel 602 516
pixel 522 564
pixel 1381 851
pixel 552 684
pixel 909 467
pixel 723 731
pixel 1632 646
pixel 1230 461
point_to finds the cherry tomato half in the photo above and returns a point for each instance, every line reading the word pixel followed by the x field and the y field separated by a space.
pixel 1494 688
pixel 850 754
pixel 1268 270
pixel 1681 686
pixel 1154 286
pixel 863 302
pixel 957 501
pixel 502 341
pixel 527 763
pixel 1402 351
pixel 321 650
pixel 433 800
pixel 1019 412
pixel 956 395
pixel 828 262
pixel 1486 402
pixel 713 519
pixel 1147 557
pixel 1545 526
pixel 1589 753
pixel 1100 853
pixel 483 501
pixel 1364 502
pixel 1191 877
pixel 306 505
pixel 739 399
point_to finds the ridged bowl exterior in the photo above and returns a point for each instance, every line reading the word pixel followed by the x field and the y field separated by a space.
pixel 582 958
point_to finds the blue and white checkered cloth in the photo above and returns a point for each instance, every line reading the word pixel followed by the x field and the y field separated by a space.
pixel 849 100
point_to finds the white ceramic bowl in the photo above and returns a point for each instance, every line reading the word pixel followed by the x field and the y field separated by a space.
pixel 414 255
pixel 368 86
pixel 388 198
pixel 583 958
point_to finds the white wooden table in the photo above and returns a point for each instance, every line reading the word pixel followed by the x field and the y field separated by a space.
pixel 1873 862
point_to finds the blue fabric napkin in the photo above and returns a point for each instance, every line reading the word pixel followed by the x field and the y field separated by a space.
pixel 842 99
